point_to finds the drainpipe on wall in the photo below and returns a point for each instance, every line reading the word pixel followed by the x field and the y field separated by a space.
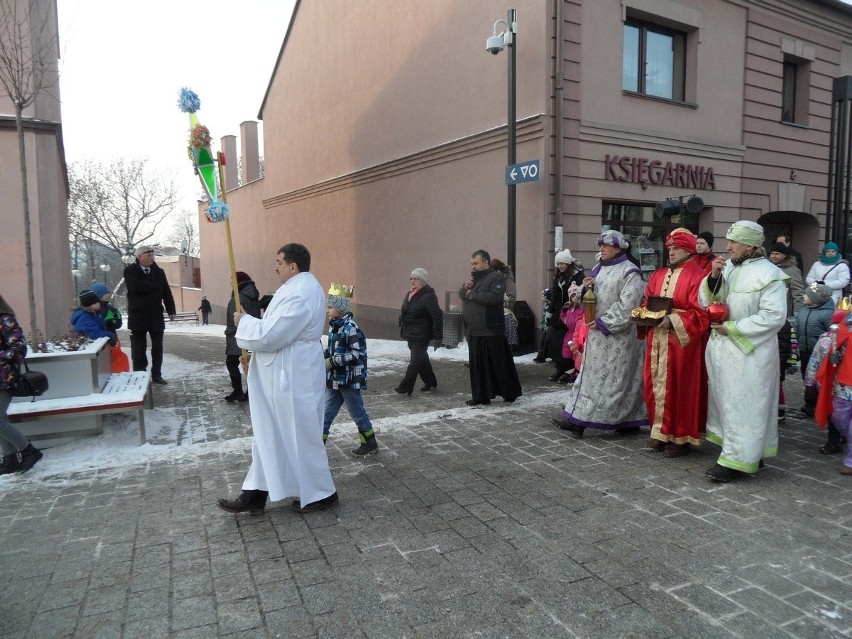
pixel 558 77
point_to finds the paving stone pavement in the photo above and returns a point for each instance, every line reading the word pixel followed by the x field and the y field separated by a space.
pixel 480 522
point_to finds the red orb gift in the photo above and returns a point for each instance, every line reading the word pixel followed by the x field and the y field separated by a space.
pixel 717 312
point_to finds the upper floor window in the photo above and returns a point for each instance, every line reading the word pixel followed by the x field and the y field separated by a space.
pixel 795 86
pixel 654 60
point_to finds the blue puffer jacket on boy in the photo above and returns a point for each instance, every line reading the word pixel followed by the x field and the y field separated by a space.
pixel 88 323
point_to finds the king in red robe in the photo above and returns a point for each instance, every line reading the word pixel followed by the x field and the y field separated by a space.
pixel 675 374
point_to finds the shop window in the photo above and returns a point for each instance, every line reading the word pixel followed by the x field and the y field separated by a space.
pixel 654 61
pixel 645 231
pixel 795 91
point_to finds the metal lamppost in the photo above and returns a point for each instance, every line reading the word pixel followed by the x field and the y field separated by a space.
pixel 494 45
pixel 76 273
pixel 105 268
pixel 128 257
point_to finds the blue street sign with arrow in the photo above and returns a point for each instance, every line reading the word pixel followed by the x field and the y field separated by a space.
pixel 522 172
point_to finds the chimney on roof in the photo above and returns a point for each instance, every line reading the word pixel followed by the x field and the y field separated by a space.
pixel 228 144
pixel 250 151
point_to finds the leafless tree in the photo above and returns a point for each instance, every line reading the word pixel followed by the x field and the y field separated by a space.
pixel 185 233
pixel 28 54
pixel 120 204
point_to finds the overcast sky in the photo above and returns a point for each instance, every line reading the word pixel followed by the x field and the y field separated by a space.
pixel 123 64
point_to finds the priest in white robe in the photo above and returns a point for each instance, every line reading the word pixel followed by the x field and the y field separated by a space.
pixel 742 353
pixel 286 380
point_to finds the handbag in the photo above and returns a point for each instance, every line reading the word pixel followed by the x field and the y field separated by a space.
pixel 29 383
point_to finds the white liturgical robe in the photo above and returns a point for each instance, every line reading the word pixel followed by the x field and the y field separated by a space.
pixel 286 382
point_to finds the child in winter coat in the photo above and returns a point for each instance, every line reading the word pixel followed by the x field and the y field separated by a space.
pixel 109 313
pixel 834 442
pixel 571 315
pixel 87 319
pixel 346 370
pixel 813 320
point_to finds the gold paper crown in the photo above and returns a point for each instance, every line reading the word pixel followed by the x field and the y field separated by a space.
pixel 341 290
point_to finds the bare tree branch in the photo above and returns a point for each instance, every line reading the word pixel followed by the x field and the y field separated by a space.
pixel 186 231
pixel 120 204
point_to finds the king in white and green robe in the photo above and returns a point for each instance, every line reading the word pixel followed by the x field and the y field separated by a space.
pixel 743 366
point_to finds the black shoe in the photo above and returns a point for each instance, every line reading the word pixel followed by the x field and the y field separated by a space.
pixel 568 378
pixel 564 424
pixel 234 396
pixel 477 402
pixel 629 430
pixel 428 388
pixel 9 464
pixel 807 410
pixel 555 377
pixel 244 398
pixel 159 380
pixel 29 458
pixel 402 392
pixel 539 359
pixel 830 448
pixel 723 474
pixel 251 501
pixel 321 504
pixel 368 446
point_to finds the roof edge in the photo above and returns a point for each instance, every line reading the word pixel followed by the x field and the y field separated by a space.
pixel 278 60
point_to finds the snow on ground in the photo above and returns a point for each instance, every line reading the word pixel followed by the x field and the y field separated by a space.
pixel 116 451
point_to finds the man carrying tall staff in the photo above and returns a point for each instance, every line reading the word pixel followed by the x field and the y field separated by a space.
pixel 287 381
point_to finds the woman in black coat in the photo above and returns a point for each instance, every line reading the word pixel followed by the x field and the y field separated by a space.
pixel 420 322
pixel 568 271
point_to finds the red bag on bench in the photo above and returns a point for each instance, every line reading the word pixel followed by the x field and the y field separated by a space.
pixel 120 361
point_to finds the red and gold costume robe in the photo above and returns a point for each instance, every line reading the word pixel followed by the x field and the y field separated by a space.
pixel 675 374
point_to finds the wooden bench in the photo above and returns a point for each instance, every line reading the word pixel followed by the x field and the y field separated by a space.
pixel 122 392
pixel 183 317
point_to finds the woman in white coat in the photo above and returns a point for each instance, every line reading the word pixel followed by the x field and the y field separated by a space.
pixel 830 270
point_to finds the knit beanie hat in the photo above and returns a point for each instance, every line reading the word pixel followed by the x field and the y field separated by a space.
pixel 563 257
pixel 87 298
pixel 338 302
pixel 818 294
pixel 830 246
pixel 707 236
pixel 243 277
pixel 779 248
pixel 100 289
pixel 339 296
pixel 420 274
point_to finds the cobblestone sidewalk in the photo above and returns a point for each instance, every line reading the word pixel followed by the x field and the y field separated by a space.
pixel 468 523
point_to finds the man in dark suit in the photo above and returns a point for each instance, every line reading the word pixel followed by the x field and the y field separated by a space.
pixel 147 293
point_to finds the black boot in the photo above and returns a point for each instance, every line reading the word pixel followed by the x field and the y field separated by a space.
pixel 235 396
pixel 29 458
pixel 368 445
pixel 9 464
pixel 251 501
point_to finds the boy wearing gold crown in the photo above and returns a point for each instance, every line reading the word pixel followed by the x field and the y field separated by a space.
pixel 346 369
